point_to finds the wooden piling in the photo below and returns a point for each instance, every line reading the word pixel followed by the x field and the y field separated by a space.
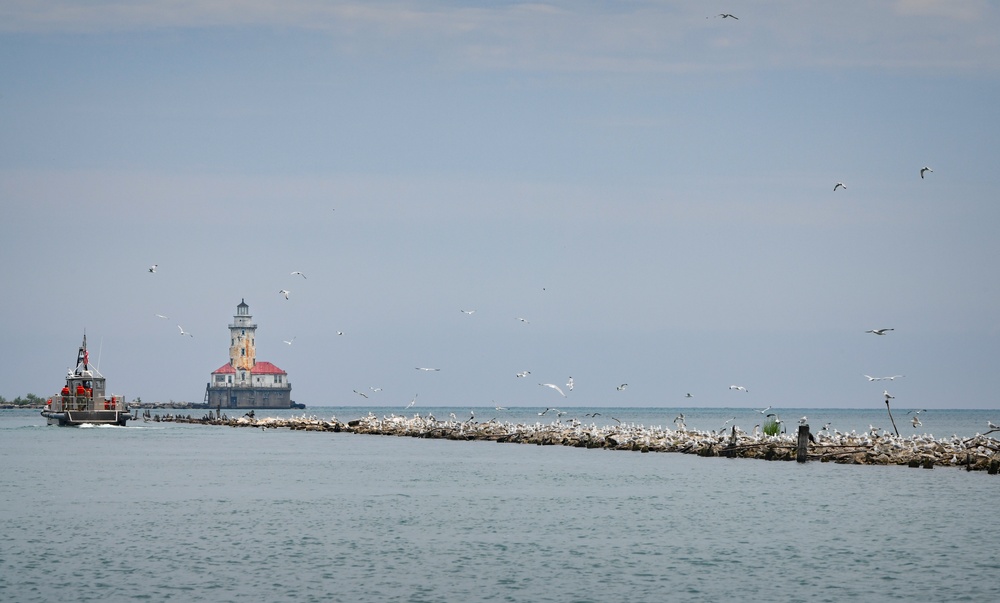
pixel 803 444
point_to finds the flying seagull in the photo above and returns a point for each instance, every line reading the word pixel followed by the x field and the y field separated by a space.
pixel 622 387
pixel 764 410
pixel 362 394
pixel 183 332
pixel 284 292
pixel 289 341
pixel 879 331
pixel 524 320
pixel 421 368
pixel 153 267
pixel 739 388
pixel 523 374
pixel 469 312
pixel 728 16
pixel 569 384
pixel 555 387
pixel 413 401
pixel 925 169
pixel 688 396
pixel 162 316
pixel 840 185
pixel 299 273
pixel 916 421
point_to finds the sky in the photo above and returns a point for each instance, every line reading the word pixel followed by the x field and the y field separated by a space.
pixel 648 184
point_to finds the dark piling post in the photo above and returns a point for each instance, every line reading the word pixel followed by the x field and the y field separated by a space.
pixel 803 444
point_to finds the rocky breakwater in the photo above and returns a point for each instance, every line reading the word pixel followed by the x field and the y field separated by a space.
pixel 980 452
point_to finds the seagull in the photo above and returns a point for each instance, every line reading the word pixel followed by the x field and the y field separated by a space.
pixel 421 368
pixel 523 374
pixel 375 389
pixel 162 316
pixel 555 387
pixel 499 407
pixel 289 341
pixel 916 412
pixel 893 377
pixel 688 396
pixel 469 312
pixel 299 273
pixel 362 394
pixel 991 425
pixel 803 421
pixel 916 421
pixel 524 320
pixel 284 292
pixel 569 384
pixel 153 267
pixel 888 396
pixel 925 169
pixel 547 409
pixel 840 185
pixel 340 332
pixel 739 388
pixel 879 331
pixel 413 401
pixel 183 332
pixel 764 410
pixel 728 16
pixel 622 387
pixel 870 378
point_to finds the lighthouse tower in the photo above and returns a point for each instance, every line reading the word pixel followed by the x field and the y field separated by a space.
pixel 245 382
pixel 242 349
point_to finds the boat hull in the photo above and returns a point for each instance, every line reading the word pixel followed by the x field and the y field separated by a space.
pixel 75 418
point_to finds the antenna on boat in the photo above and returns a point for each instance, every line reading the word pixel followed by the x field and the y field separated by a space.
pixel 100 348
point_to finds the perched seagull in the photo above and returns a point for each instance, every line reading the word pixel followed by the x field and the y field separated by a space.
pixel 162 316
pixel 840 185
pixel 622 387
pixel 469 312
pixel 362 394
pixel 523 374
pixel 284 292
pixel 299 273
pixel 991 425
pixel 925 169
pixel 413 401
pixel 879 331
pixel 569 384
pixel 289 341
pixel 183 332
pixel 153 267
pixel 803 421
pixel 764 410
pixel 421 368
pixel 555 387
pixel 888 396
pixel 739 388
pixel 728 16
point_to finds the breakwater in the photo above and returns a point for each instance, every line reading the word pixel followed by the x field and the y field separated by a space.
pixel 875 447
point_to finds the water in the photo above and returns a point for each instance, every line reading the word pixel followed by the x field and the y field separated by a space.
pixel 163 511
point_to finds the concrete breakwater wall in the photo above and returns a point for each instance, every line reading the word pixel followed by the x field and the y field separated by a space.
pixel 978 453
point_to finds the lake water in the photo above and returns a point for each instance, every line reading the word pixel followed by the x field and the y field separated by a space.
pixel 164 511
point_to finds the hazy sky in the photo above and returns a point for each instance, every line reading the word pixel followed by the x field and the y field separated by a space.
pixel 648 184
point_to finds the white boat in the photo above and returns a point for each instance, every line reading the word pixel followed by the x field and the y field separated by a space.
pixel 83 399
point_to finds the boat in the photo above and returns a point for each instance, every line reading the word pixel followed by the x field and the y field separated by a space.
pixel 83 399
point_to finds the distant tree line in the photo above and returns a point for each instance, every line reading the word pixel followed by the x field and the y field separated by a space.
pixel 28 400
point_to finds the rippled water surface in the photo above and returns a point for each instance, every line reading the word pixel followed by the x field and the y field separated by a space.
pixel 161 511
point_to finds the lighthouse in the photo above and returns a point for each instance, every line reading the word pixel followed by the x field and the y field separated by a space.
pixel 245 382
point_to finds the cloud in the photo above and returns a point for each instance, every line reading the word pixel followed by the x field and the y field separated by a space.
pixel 564 36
